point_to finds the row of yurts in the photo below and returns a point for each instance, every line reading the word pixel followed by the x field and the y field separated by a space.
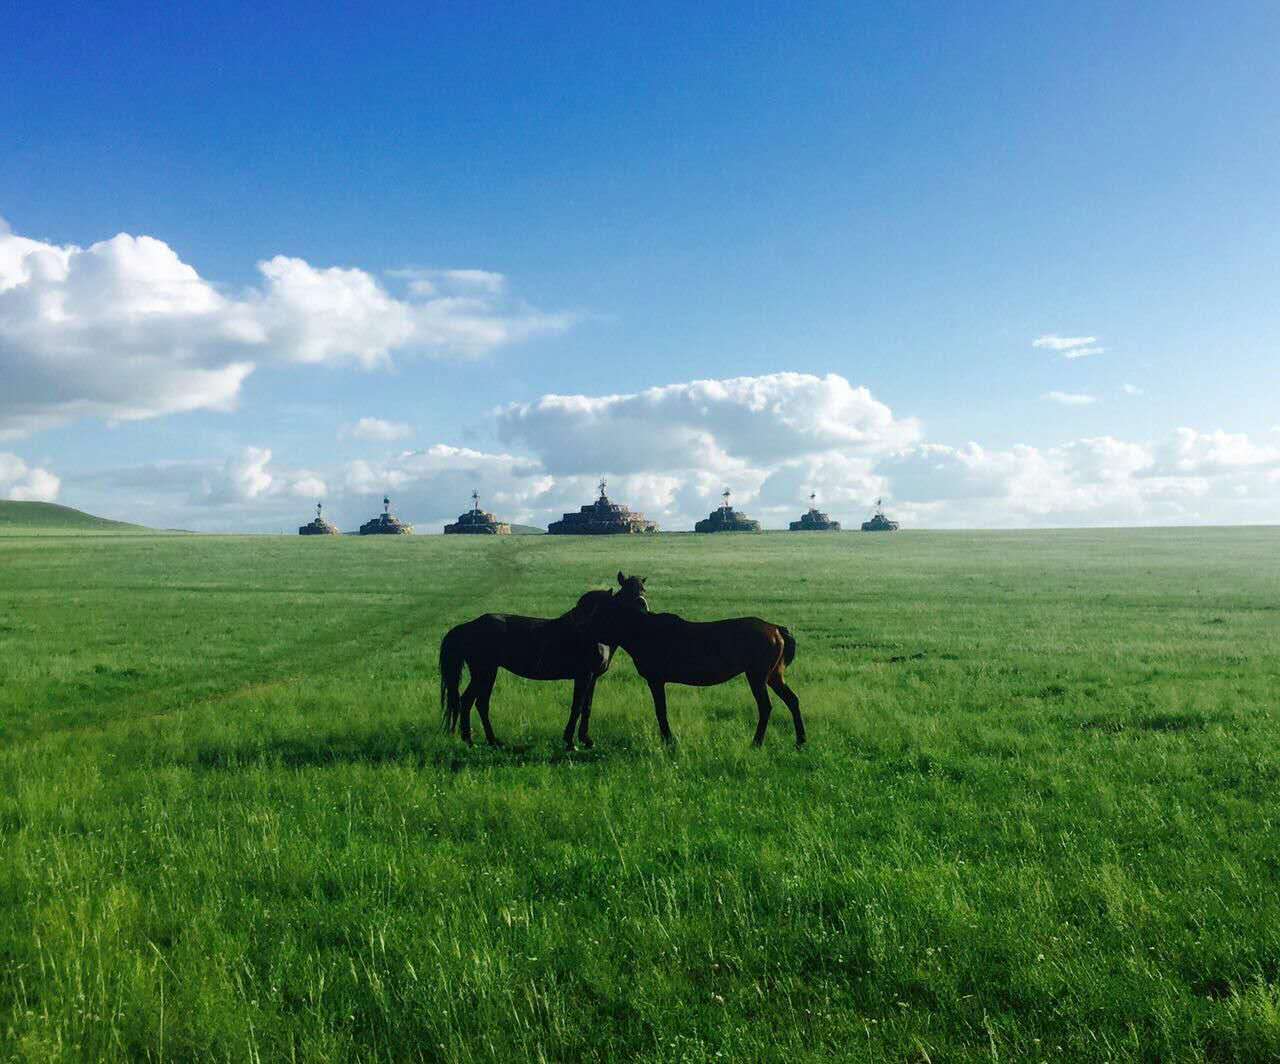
pixel 602 517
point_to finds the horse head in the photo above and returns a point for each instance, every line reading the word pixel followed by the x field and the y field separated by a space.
pixel 631 592
pixel 596 612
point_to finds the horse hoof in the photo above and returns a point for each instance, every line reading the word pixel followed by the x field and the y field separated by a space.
pixel 586 744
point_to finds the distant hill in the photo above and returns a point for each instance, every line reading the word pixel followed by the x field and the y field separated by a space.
pixel 50 517
pixel 527 530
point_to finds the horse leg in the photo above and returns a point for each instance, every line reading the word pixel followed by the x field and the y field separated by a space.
pixel 486 682
pixel 763 705
pixel 584 719
pixel 793 703
pixel 659 691
pixel 575 710
pixel 464 711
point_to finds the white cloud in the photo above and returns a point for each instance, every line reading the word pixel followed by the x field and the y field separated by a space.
pixel 376 429
pixel 1188 478
pixel 1131 389
pixel 667 451
pixel 242 478
pixel 744 434
pixel 721 426
pixel 432 486
pixel 125 330
pixel 244 482
pixel 481 280
pixel 1069 398
pixel 329 315
pixel 307 486
pixel 1069 346
pixel 460 282
pixel 1099 479
pixel 122 330
pixel 1192 452
pixel 845 484
pixel 249 475
pixel 20 482
pixel 670 451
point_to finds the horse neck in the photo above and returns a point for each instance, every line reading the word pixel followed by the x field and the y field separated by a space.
pixel 628 625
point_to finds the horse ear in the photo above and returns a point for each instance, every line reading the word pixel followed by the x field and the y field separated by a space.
pixel 642 580
pixel 621 579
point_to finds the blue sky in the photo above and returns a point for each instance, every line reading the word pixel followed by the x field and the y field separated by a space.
pixel 819 200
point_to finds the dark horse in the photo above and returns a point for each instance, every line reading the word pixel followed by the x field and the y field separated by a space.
pixel 668 649
pixel 536 648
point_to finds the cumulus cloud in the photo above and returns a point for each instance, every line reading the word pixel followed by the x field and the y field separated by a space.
pixel 432 486
pixel 1131 389
pixel 125 330
pixel 369 477
pixel 246 479
pixel 1188 477
pixel 376 429
pixel 242 478
pixel 670 451
pixel 20 482
pixel 329 315
pixel 1094 478
pixel 249 476
pixel 1181 479
pixel 1069 398
pixel 1190 452
pixel 122 330
pixel 1069 346
pixel 751 435
pixel 722 426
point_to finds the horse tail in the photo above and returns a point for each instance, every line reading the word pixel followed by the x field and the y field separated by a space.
pixel 788 646
pixel 452 659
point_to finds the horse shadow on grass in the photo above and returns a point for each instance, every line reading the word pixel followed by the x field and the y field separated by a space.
pixel 417 748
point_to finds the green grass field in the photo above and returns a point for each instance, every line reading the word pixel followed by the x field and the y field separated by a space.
pixel 1037 817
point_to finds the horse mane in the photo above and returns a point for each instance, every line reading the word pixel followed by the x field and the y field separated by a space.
pixel 592 600
pixel 656 620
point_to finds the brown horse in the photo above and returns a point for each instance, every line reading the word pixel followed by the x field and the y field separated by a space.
pixel 668 649
pixel 537 648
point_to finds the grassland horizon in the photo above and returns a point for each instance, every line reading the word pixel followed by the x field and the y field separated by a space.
pixel 1035 819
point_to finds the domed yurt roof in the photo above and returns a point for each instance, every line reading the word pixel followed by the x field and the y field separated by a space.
pixel 477 522
pixel 319 527
pixel 385 524
pixel 601 518
pixel 726 519
pixel 878 522
pixel 814 520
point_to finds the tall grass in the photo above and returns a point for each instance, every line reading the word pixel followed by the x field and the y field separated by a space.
pixel 1036 818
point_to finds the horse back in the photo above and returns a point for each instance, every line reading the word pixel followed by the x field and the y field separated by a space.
pixel 703 653
pixel 537 648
